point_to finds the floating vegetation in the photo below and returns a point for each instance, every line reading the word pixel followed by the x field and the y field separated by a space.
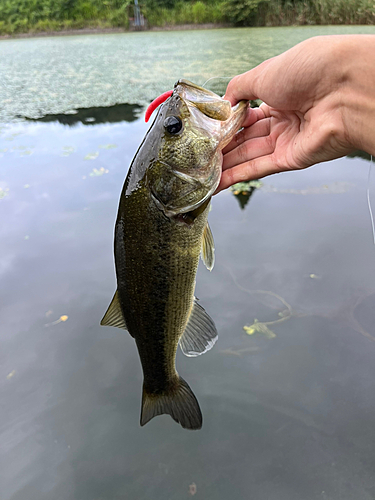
pixel 108 146
pixel 243 191
pixel 315 276
pixel 239 352
pixel 11 374
pixel 259 327
pixel 61 319
pixel 246 187
pixel 97 172
pixel 12 136
pixel 92 156
pixel 27 237
pixel 192 489
pixel 3 193
pixel 262 327
pixel 26 186
pixel 334 188
pixel 68 150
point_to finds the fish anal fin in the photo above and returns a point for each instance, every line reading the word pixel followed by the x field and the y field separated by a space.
pixel 114 316
pixel 179 402
pixel 200 333
pixel 208 248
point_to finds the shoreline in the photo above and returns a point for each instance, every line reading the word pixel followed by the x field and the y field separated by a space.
pixel 109 31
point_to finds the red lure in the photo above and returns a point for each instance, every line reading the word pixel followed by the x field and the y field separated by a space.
pixel 155 103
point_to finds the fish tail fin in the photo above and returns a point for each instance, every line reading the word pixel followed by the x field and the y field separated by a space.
pixel 179 402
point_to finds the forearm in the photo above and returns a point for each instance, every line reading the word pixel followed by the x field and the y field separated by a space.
pixel 358 91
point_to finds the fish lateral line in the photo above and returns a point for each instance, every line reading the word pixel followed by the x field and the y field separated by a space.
pixel 156 102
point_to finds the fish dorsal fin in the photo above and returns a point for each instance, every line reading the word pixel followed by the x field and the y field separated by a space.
pixel 114 316
pixel 200 333
pixel 208 248
pixel 218 109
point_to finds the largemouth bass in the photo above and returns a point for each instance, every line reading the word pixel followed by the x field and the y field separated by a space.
pixel 161 230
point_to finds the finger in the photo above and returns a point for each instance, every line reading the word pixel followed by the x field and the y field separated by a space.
pixel 249 150
pixel 265 110
pixel 248 85
pixel 252 116
pixel 259 129
pixel 254 169
pixel 240 88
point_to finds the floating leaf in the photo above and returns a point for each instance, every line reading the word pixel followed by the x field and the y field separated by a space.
pixel 192 489
pixel 11 374
pixel 96 172
pixel 92 156
pixel 246 187
pixel 3 193
pixel 67 151
pixel 27 237
pixel 61 319
pixel 26 186
pixel 107 146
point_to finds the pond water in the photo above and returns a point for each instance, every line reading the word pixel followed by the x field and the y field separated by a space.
pixel 288 411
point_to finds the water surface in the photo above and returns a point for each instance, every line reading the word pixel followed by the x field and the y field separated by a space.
pixel 285 418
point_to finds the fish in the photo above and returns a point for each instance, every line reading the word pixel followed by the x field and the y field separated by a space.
pixel 160 232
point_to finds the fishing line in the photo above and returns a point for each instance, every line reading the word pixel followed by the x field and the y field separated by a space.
pixel 369 201
pixel 217 77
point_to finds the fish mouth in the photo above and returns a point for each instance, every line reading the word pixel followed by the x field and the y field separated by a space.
pixel 206 102
pixel 197 88
pixel 192 92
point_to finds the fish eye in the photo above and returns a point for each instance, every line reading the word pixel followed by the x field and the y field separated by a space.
pixel 173 124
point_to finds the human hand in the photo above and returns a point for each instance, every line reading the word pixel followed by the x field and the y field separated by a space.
pixel 303 118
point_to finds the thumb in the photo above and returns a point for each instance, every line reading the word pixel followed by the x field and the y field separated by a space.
pixel 242 87
pixel 250 85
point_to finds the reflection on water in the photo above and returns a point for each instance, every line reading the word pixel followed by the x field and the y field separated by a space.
pixel 94 116
pixel 287 416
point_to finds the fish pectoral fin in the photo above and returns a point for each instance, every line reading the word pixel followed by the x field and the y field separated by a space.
pixel 218 109
pixel 208 248
pixel 179 402
pixel 200 333
pixel 114 316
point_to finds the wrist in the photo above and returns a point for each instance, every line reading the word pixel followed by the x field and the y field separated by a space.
pixel 358 91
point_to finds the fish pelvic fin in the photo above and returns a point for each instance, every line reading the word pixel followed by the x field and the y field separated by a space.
pixel 208 248
pixel 179 402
